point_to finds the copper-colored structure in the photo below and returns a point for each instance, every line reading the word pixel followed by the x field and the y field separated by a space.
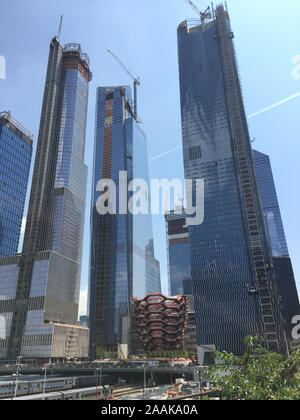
pixel 161 321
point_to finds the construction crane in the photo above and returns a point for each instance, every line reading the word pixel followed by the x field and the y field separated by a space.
pixel 203 15
pixel 136 83
pixel 60 27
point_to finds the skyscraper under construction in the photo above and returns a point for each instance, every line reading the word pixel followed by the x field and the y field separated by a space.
pixel 40 313
pixel 231 266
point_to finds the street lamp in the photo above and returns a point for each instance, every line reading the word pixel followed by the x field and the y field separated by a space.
pixel 45 379
pixel 97 374
pixel 13 386
pixel 17 375
pixel 145 384
pixel 198 374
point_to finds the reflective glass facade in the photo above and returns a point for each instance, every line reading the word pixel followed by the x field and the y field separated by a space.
pixel 122 254
pixel 284 275
pixel 9 272
pixel 222 258
pixel 15 158
pixel 270 205
pixel 49 268
pixel 179 255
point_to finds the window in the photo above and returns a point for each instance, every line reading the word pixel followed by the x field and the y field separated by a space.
pixel 195 153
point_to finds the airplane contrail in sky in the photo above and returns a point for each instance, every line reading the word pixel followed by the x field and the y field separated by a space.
pixel 255 114
pixel 262 111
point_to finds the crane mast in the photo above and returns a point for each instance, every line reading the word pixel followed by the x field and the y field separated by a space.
pixel 60 27
pixel 136 83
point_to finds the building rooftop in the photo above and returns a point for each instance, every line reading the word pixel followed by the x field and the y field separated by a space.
pixel 76 48
pixel 17 127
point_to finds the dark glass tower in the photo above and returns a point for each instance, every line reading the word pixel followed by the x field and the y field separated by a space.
pixel 283 269
pixel 122 252
pixel 45 279
pixel 231 267
pixel 15 159
pixel 272 215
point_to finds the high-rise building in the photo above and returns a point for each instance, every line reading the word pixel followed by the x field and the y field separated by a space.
pixel 39 311
pixel 231 268
pixel 123 265
pixel 178 254
pixel 15 158
pixel 283 269
pixel 272 215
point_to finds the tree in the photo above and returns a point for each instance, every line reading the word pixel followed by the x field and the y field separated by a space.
pixel 258 375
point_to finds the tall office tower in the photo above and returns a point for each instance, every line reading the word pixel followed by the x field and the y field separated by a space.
pixel 123 265
pixel 40 309
pixel 283 269
pixel 178 254
pixel 231 268
pixel 15 158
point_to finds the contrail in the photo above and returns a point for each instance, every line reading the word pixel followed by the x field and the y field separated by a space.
pixel 262 111
pixel 165 154
pixel 274 105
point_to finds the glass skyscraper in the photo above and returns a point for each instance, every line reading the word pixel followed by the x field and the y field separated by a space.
pixel 15 159
pixel 39 309
pixel 179 255
pixel 123 265
pixel 283 269
pixel 231 269
pixel 272 215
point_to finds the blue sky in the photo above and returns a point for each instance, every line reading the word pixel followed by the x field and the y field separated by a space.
pixel 143 34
